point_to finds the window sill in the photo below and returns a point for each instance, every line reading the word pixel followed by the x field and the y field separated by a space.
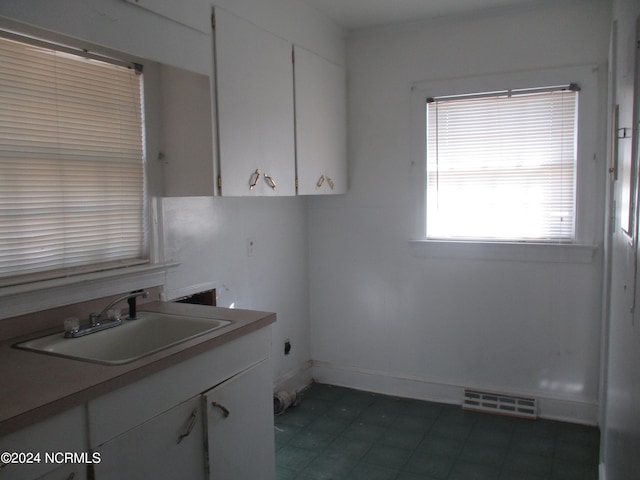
pixel 509 251
pixel 43 295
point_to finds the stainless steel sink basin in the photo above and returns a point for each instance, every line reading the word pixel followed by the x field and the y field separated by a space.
pixel 134 339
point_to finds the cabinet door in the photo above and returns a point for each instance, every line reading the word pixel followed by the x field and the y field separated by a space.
pixel 66 472
pixel 254 82
pixel 65 432
pixel 240 426
pixel 321 129
pixel 186 140
pixel 169 446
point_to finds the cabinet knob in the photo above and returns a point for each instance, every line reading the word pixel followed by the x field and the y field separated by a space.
pixel 222 408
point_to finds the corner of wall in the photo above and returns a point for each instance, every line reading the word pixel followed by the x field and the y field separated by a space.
pixel 295 380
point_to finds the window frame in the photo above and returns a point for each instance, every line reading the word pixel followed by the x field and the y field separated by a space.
pixel 587 230
pixel 564 99
pixel 86 63
pixel 50 293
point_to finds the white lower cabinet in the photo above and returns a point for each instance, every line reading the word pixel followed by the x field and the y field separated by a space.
pixel 66 472
pixel 169 446
pixel 70 471
pixel 239 427
pixel 41 451
pixel 174 426
pixel 171 425
pixel 224 434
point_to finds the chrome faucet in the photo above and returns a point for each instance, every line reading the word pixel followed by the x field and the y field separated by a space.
pixel 96 322
pixel 131 300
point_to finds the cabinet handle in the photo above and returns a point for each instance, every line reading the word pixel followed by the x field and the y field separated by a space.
pixel 321 181
pixel 270 181
pixel 253 180
pixel 192 423
pixel 223 409
pixel 330 182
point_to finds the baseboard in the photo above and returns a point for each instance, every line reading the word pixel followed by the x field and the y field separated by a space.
pixel 445 391
pixel 385 383
pixel 295 380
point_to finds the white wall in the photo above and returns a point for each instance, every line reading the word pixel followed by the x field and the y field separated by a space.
pixel 208 236
pixel 622 418
pixel 386 319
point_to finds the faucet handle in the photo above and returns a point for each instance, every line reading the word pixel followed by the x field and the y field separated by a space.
pixel 71 325
pixel 94 318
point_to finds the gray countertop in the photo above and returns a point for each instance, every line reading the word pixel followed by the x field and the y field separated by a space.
pixel 36 386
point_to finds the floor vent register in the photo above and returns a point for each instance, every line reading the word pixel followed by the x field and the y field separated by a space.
pixel 500 403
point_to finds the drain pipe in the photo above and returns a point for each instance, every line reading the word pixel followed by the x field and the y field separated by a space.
pixel 283 400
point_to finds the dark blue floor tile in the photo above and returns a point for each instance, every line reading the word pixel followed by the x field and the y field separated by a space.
pixel 563 470
pixel 473 471
pixel 340 434
pixel 435 466
pixel 353 448
pixel 328 467
pixel 534 444
pixel 365 471
pixel 448 447
pixel 364 431
pixel 394 437
pixel 293 458
pixel 528 463
pixel 483 454
pixel 387 456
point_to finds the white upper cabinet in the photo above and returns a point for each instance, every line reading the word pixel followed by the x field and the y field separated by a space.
pixel 321 130
pixel 280 122
pixel 254 81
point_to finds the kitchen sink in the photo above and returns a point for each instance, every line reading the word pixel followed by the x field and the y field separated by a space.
pixel 151 332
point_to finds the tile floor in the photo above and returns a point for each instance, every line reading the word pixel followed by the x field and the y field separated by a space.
pixel 343 434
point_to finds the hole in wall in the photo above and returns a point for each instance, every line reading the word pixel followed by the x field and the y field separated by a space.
pixel 208 297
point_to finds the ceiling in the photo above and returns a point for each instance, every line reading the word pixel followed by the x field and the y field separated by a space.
pixel 353 14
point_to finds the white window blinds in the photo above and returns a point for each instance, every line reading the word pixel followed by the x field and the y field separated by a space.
pixel 502 166
pixel 71 163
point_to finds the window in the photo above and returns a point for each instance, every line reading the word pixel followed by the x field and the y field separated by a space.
pixel 502 165
pixel 72 192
